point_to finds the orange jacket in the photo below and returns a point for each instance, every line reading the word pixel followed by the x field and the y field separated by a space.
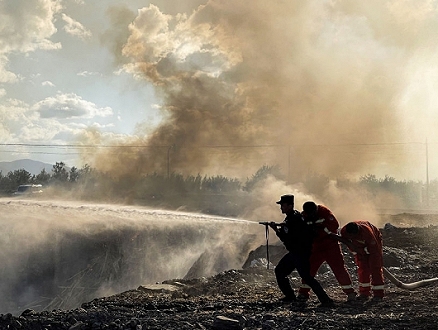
pixel 367 242
pixel 324 224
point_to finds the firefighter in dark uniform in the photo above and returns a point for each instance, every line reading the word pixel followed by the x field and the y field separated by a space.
pixel 297 236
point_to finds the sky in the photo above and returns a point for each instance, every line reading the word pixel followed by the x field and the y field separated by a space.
pixel 342 88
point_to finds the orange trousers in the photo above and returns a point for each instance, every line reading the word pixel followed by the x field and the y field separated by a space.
pixel 332 255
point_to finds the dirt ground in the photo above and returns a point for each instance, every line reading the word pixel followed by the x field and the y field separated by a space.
pixel 248 298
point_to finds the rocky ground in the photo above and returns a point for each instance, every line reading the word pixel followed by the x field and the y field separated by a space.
pixel 249 298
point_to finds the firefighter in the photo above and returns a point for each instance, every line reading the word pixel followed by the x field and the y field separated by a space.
pixel 297 236
pixel 365 241
pixel 325 249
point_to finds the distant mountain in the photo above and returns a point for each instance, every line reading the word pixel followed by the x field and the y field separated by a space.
pixel 32 166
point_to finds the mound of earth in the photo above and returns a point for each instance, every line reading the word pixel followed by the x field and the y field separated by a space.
pixel 249 298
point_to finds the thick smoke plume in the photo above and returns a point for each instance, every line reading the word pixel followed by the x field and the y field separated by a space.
pixel 314 86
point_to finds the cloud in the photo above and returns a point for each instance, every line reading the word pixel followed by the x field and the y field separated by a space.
pixel 75 28
pixel 68 106
pixel 22 123
pixel 25 26
pixel 88 73
pixel 48 83
pixel 6 76
pixel 14 116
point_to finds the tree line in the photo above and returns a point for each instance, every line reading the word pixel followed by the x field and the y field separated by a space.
pixel 209 194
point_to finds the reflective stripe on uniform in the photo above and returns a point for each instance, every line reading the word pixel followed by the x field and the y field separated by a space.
pixel 327 231
pixel 346 287
pixel 378 287
pixel 364 285
pixel 304 286
pixel 320 220
pixel 366 250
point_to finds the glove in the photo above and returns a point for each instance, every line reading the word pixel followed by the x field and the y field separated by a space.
pixel 273 225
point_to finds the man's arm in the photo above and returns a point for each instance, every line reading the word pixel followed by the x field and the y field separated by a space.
pixel 273 225
pixel 344 240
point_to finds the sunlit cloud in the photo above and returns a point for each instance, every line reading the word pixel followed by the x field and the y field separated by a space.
pixel 22 123
pixel 24 29
pixel 67 106
pixel 75 28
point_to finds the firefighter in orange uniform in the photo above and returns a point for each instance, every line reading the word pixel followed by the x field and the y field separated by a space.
pixel 326 248
pixel 365 241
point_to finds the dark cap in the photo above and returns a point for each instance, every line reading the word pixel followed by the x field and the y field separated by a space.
pixel 288 199
pixel 352 228
pixel 310 207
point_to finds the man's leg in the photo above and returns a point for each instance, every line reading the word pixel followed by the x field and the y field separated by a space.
pixel 363 274
pixel 316 260
pixel 303 268
pixel 377 281
pixel 335 260
pixel 376 269
pixel 283 269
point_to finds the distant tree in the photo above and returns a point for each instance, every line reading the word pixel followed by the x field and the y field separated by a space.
pixel 389 183
pixel 59 172
pixel 6 186
pixel 10 182
pixel 43 177
pixel 19 177
pixel 409 192
pixel 193 183
pixel 74 174
pixel 261 174
pixel 85 171
pixel 90 183
pixel 370 182
pixel 220 184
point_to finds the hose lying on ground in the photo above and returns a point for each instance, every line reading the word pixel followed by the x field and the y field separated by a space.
pixel 408 286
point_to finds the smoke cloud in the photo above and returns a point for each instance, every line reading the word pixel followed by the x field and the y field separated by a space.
pixel 324 85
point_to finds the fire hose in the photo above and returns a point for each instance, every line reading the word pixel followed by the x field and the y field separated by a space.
pixel 267 224
pixel 386 272
pixel 407 286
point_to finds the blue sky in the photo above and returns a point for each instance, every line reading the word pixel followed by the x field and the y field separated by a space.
pixel 348 87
